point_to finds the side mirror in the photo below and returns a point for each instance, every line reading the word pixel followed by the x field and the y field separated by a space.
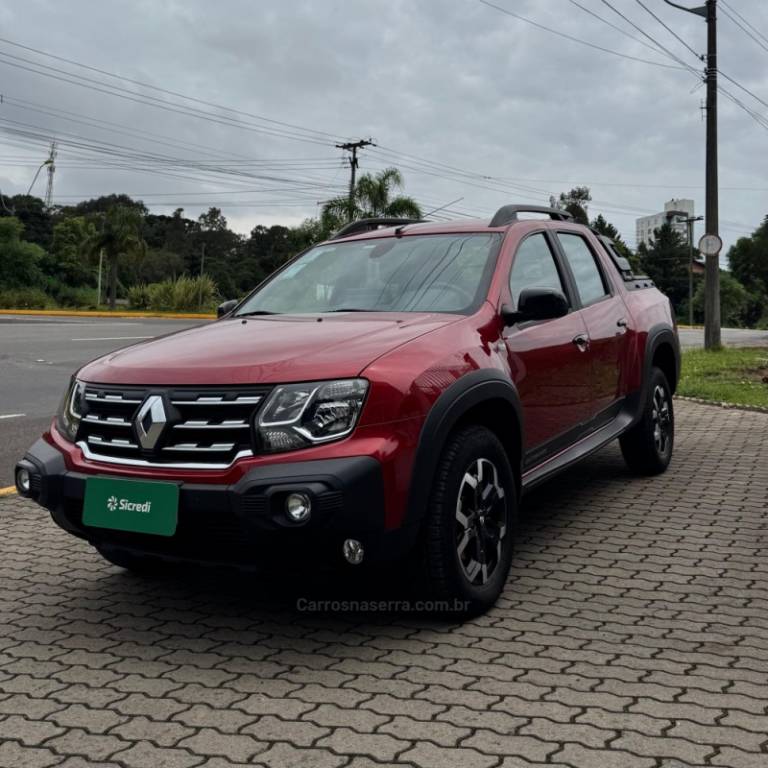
pixel 536 304
pixel 226 307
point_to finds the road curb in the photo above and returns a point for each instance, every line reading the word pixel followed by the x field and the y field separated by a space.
pixel 722 404
pixel 9 490
pixel 106 313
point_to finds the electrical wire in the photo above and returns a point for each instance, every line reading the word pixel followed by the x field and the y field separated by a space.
pixel 572 38
pixel 669 29
pixel 39 52
pixel 744 28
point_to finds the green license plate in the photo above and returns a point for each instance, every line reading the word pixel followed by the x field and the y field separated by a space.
pixel 131 505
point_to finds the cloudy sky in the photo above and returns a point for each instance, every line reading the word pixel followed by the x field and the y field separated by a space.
pixel 240 103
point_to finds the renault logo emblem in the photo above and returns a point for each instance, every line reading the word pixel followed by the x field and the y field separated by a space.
pixel 150 421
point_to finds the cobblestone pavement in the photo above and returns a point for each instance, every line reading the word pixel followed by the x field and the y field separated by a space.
pixel 633 632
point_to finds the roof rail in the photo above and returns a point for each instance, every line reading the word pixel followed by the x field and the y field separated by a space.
pixel 508 213
pixel 369 225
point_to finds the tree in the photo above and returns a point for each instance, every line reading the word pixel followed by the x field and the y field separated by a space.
pixel 104 204
pixel 575 202
pixel 665 259
pixel 19 260
pixel 118 233
pixel 222 251
pixel 748 260
pixel 31 212
pixel 68 260
pixel 604 227
pixel 371 197
pixel 736 302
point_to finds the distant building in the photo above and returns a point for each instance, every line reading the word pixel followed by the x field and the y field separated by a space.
pixel 645 226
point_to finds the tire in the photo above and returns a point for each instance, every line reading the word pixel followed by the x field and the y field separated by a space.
pixel 467 545
pixel 141 566
pixel 647 447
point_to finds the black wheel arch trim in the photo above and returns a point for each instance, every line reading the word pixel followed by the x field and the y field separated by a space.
pixel 661 334
pixel 451 406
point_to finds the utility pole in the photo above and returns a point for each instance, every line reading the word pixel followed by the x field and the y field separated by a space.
pixel 98 288
pixel 684 218
pixel 202 266
pixel 51 170
pixel 712 222
pixel 353 146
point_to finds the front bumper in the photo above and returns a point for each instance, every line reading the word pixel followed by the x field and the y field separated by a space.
pixel 243 523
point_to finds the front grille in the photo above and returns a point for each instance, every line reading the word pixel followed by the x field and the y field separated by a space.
pixel 199 426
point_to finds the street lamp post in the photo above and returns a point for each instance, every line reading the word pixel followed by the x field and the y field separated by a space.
pixel 684 218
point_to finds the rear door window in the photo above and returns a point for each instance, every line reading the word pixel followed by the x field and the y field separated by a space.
pixel 583 264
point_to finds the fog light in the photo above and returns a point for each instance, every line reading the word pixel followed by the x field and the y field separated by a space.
pixel 353 551
pixel 298 507
pixel 22 481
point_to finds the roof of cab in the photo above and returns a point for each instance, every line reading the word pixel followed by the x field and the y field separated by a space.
pixel 388 227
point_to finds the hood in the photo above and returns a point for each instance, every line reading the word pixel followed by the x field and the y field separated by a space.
pixel 269 350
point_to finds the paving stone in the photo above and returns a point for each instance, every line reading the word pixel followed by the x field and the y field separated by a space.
pixel 14 755
pixel 226 720
pixel 432 756
pixel 378 746
pixel 29 732
pixel 143 729
pixel 93 720
pixel 494 743
pixel 282 755
pixel 208 741
pixel 142 754
pixel 578 756
pixel 333 716
pixel 443 734
pixel 95 746
pixel 300 734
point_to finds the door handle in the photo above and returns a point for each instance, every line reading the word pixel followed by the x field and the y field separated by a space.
pixel 582 342
pixel 621 323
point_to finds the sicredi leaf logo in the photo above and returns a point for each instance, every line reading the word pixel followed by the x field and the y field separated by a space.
pixel 125 505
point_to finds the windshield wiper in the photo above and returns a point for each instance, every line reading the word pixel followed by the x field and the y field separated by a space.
pixel 257 312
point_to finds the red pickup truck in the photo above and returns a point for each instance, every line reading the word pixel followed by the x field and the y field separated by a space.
pixel 387 395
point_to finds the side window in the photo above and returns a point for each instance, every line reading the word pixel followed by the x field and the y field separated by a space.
pixel 534 267
pixel 586 273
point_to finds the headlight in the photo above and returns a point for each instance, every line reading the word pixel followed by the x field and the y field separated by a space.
pixel 301 415
pixel 71 409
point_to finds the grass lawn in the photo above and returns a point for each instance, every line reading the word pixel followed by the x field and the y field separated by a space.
pixel 731 375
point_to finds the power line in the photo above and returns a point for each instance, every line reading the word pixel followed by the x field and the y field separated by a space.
pixel 747 23
pixel 744 29
pixel 614 26
pixel 574 39
pixel 128 95
pixel 663 48
pixel 166 91
pixel 669 29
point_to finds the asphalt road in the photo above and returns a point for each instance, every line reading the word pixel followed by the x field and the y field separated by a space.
pixel 39 354
pixel 37 357
pixel 731 337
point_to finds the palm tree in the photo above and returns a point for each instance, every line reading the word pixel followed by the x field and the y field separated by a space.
pixel 118 233
pixel 371 197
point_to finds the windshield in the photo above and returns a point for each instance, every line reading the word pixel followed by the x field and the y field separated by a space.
pixel 429 273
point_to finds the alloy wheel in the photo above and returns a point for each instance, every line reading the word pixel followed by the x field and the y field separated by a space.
pixel 481 521
pixel 661 415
